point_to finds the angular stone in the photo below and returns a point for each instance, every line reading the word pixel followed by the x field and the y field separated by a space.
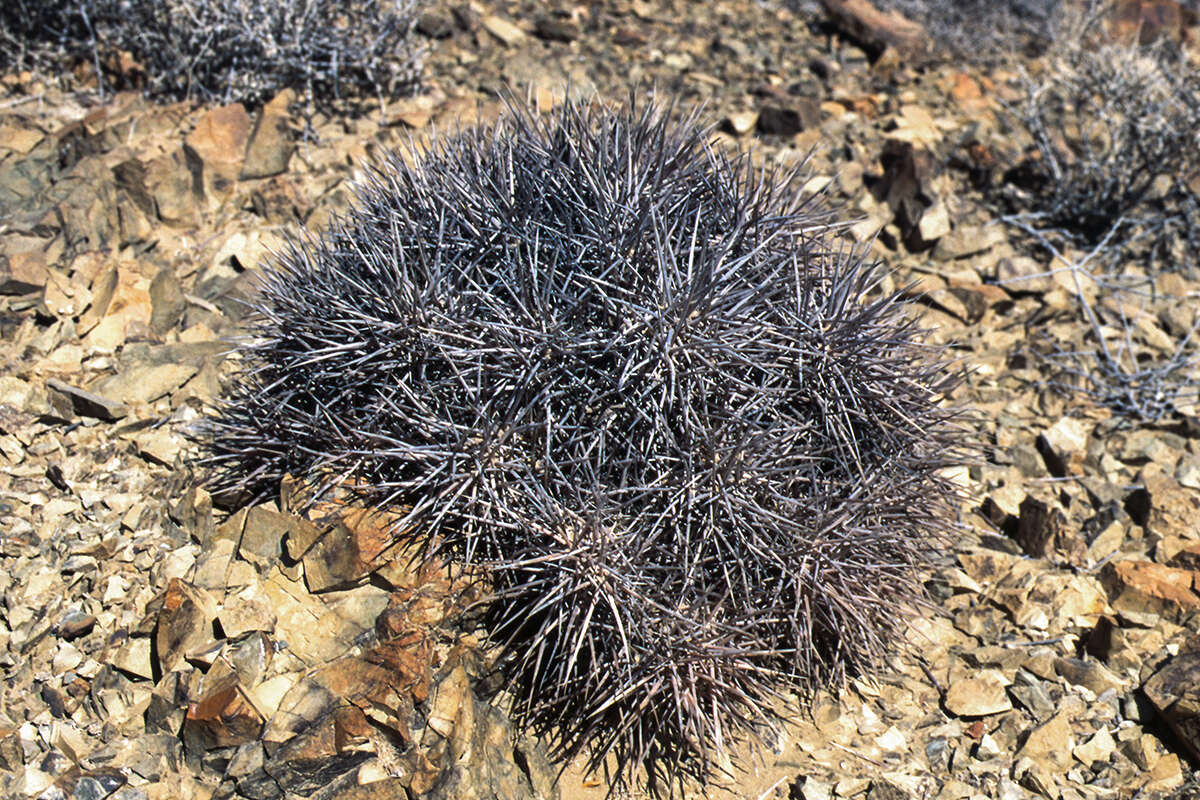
pixel 1097 749
pixel 435 25
pixel 212 566
pixel 1089 674
pixel 53 405
pixel 1187 472
pixel 979 695
pixel 194 513
pixel 184 623
pixel 448 699
pixel 876 29
pixel 23 273
pixel 245 613
pixel 245 251
pixel 75 624
pixel 1064 445
pixel 935 223
pixel 301 535
pixel 145 384
pixel 799 115
pixel 311 631
pixel 1175 692
pixel 20 137
pixel 481 753
pixel 270 147
pixel 503 30
pixel 1165 777
pixel 64 297
pixel 223 717
pixel 166 301
pixel 1022 275
pixel 103 287
pixel 221 135
pixel 159 446
pixel 1045 532
pixel 555 29
pixel 251 657
pixel 1144 589
pixel 1050 744
pixel 906 185
pixel 16 393
pixel 1173 509
pixel 1142 749
pixel 133 656
pixel 967 241
pixel 89 404
pixel 1187 557
pixel 314 763
pixel 740 123
pixel 175 181
pixel 350 550
pixel 338 685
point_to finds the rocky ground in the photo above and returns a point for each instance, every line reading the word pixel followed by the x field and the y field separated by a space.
pixel 153 647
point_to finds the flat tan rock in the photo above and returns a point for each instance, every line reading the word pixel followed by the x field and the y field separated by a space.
pixel 184 623
pixel 503 29
pixel 741 123
pixel 270 147
pixel 879 29
pixel 221 135
pixel 1064 443
pixel 145 384
pixel 1175 692
pixel 1050 744
pixel 1145 588
pixel 1099 748
pixel 224 717
pixel 22 273
pixel 89 404
pixel 979 695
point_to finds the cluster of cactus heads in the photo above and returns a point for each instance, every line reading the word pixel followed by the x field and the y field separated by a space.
pixel 702 455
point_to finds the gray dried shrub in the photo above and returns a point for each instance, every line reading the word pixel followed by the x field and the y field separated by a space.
pixel 632 377
pixel 984 30
pixel 1115 130
pixel 224 50
pixel 1114 173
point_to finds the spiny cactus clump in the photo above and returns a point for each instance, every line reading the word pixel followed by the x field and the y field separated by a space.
pixel 701 456
pixel 224 50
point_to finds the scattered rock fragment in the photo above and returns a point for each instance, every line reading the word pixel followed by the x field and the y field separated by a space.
pixel 556 29
pixel 1175 692
pixel 1143 591
pixel 270 147
pixel 1043 531
pixel 799 115
pixel 877 30
pixel 502 29
pixel 979 695
pixel 22 273
pixel 89 404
